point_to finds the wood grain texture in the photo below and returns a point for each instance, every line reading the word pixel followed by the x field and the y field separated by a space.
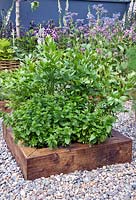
pixel 15 150
pixel 4 107
pixel 44 162
pixel 9 64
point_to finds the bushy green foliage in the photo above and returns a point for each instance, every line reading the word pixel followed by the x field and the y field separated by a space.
pixel 65 96
pixel 6 52
pixel 24 45
pixel 4 77
pixel 131 55
pixel 130 66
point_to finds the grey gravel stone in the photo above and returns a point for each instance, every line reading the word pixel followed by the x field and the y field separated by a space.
pixel 134 186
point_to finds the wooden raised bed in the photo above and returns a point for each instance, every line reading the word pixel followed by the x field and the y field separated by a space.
pixel 4 107
pixel 9 64
pixel 44 162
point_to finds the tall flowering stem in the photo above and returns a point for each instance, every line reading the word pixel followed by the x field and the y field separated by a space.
pixel 60 12
pixel 67 6
pixel 6 19
pixel 34 5
pixel 13 36
pixel 18 18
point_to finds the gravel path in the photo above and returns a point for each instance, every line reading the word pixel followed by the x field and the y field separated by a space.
pixel 116 182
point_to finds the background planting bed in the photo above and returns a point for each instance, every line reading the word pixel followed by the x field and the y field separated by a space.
pixel 44 162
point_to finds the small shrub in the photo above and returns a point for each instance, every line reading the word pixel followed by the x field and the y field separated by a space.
pixel 131 55
pixel 65 96
pixel 24 45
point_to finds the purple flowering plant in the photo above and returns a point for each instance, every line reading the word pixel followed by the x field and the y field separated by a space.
pixel 43 31
pixel 108 36
pixel 101 32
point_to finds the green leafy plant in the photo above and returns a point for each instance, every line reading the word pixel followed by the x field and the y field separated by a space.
pixel 64 96
pixel 24 45
pixel 4 75
pixel 131 55
pixel 130 66
pixel 6 52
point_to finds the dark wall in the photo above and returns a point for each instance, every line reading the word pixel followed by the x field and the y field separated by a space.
pixel 48 9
